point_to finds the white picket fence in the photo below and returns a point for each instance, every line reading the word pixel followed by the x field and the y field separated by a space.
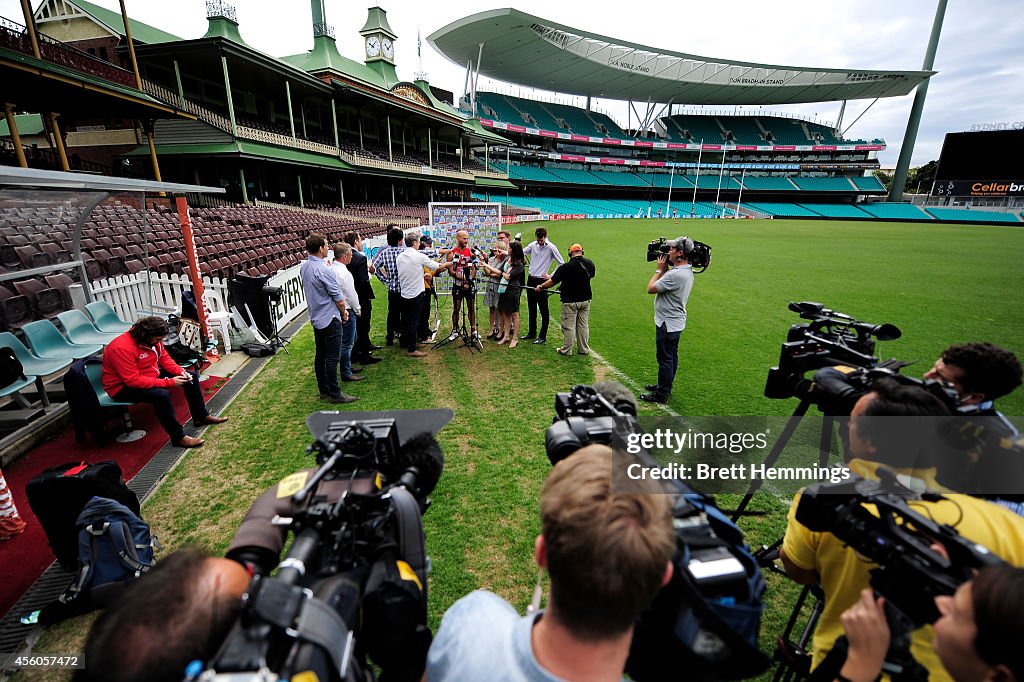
pixel 144 293
pixel 134 296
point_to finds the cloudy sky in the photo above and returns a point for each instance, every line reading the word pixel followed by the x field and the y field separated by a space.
pixel 980 59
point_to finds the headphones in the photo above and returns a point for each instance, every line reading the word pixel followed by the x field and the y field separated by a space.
pixel 687 244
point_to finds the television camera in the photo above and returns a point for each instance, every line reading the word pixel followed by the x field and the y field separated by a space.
pixel 699 256
pixel 899 538
pixel 706 620
pixel 353 585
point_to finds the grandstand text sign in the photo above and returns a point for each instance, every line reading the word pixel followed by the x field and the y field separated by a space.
pixel 979 188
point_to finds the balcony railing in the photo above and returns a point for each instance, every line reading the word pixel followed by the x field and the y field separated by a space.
pixel 14 36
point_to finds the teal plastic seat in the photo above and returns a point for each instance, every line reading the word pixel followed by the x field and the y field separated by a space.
pixel 79 329
pixel 47 342
pixel 105 318
pixel 32 365
pixel 16 388
pixel 94 371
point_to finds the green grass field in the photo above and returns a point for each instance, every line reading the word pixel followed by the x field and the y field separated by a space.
pixel 941 284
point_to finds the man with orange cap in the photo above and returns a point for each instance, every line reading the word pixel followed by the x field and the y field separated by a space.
pixel 574 276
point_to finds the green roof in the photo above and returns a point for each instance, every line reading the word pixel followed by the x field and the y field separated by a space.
pixel 144 33
pixel 473 126
pixel 325 57
pixel 377 20
pixel 494 182
pixel 28 124
pixel 252 149
pixel 222 27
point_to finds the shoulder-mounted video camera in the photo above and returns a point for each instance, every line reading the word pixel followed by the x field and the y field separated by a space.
pixel 898 537
pixel 706 620
pixel 699 254
pixel 353 585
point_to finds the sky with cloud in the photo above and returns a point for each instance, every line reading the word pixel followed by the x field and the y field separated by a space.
pixel 980 59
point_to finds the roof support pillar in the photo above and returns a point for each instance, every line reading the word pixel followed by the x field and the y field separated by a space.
pixel 298 179
pixel 19 151
pixel 403 139
pixel 291 115
pixel 430 152
pixel 131 46
pixel 30 26
pixel 899 178
pixel 245 190
pixel 588 102
pixel 508 159
pixel 177 80
pixel 302 117
pixel 393 202
pixel 58 141
pixel 334 123
pixel 391 156
pixel 487 155
pixel 152 154
pixel 227 89
pixel 341 192
pixel 359 115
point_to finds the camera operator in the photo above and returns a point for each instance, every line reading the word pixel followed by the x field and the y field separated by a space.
pixel 607 555
pixel 574 277
pixel 671 289
pixel 810 557
pixel 977 636
pixel 980 372
pixel 178 612
pixel 541 253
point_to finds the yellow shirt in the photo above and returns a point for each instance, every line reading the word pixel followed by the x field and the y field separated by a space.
pixel 843 573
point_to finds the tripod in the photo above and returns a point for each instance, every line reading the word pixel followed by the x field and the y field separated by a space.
pixel 463 331
pixel 275 339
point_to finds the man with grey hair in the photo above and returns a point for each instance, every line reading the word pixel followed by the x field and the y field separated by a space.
pixel 342 257
pixel 410 264
pixel 671 288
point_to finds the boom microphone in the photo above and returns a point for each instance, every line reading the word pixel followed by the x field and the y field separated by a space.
pixel 621 398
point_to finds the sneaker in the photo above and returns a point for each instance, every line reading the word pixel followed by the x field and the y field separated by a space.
pixel 454 335
pixel 342 399
pixel 654 398
pixel 353 377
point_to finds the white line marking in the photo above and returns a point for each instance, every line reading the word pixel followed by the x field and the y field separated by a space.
pixel 628 381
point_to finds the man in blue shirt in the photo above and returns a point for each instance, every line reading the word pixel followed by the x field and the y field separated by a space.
pixel 607 554
pixel 326 313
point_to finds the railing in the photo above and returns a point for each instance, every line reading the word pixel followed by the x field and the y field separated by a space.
pixel 148 291
pixel 14 36
pixel 413 222
pixel 172 98
pixel 286 141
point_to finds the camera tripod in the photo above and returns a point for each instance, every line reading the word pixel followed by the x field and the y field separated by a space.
pixel 463 331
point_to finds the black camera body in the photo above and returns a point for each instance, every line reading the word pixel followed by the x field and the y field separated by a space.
pixel 353 585
pixel 699 255
pixel 898 537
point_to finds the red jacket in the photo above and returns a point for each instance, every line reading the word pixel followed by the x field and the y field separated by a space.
pixel 129 364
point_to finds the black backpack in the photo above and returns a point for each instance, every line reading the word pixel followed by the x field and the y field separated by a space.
pixel 11 369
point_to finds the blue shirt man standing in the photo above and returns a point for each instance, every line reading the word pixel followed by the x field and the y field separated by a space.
pixel 327 313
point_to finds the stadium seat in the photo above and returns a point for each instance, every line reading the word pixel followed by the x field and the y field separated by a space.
pixel 15 309
pixel 33 365
pixel 62 283
pixel 46 341
pixel 80 329
pixel 95 373
pixel 47 301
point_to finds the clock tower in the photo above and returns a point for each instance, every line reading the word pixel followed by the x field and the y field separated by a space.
pixel 379 43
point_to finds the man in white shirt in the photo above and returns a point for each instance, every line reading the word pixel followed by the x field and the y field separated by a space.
pixel 410 264
pixel 541 253
pixel 342 257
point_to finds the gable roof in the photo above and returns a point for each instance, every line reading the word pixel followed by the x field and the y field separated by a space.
pixel 111 20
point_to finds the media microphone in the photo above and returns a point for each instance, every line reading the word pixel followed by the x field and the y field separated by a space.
pixel 621 398
pixel 418 465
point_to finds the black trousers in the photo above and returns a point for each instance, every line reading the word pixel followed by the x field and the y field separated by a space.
pixel 424 325
pixel 160 399
pixel 394 314
pixel 411 309
pixel 537 301
pixel 362 347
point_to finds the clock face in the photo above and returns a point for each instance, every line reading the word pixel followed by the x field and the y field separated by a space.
pixel 373 46
pixel 389 49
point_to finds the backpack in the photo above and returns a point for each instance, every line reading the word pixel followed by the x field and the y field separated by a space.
pixel 114 548
pixel 11 368
pixel 58 495
pixel 706 620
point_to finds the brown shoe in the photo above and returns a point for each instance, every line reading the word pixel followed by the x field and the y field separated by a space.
pixel 354 377
pixel 417 354
pixel 209 419
pixel 189 442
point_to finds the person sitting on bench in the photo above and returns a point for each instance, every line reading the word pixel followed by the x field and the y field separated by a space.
pixel 137 369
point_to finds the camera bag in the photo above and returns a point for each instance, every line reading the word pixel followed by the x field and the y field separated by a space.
pixel 58 495
pixel 11 368
pixel 258 350
pixel 710 636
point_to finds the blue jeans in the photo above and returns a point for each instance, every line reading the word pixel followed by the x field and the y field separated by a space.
pixel 348 340
pixel 325 361
pixel 667 344
pixel 160 399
